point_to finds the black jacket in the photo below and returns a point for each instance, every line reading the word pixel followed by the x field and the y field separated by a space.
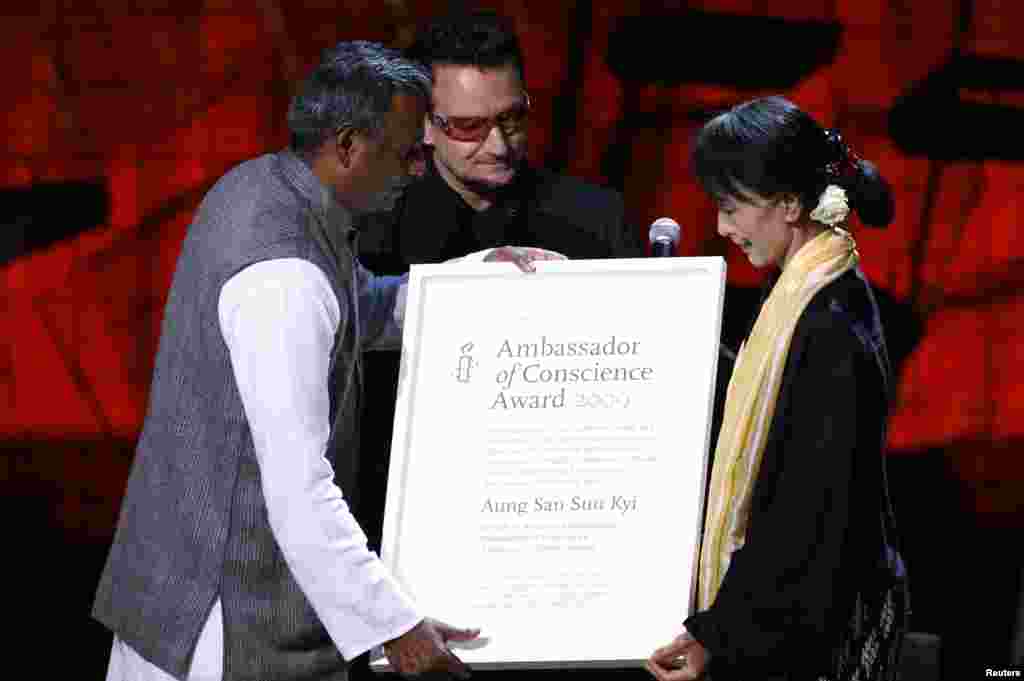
pixel 815 534
pixel 540 208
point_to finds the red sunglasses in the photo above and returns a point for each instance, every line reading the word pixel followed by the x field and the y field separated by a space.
pixel 477 128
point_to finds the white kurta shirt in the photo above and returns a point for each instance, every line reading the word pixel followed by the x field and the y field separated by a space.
pixel 278 319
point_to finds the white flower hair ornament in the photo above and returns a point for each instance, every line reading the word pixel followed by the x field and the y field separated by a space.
pixel 832 208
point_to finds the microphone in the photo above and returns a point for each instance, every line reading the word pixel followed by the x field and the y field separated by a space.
pixel 663 237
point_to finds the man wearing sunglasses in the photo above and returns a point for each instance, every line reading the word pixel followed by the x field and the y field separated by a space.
pixel 477 192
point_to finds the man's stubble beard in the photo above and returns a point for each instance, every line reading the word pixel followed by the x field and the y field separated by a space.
pixel 484 188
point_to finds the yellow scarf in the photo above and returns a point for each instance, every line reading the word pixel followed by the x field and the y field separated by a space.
pixel 750 400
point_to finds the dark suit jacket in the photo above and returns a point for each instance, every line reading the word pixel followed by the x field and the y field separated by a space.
pixel 815 534
pixel 541 208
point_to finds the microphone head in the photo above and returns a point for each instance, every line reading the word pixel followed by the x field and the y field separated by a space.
pixel 664 230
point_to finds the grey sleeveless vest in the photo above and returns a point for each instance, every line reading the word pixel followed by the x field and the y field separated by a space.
pixel 193 523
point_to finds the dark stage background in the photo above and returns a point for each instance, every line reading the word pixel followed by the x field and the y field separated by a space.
pixel 118 115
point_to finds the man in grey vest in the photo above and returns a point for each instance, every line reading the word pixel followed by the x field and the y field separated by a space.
pixel 236 555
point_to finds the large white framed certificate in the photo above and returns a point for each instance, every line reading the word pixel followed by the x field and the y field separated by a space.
pixel 549 451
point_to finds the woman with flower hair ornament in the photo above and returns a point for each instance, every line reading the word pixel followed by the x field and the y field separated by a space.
pixel 798 579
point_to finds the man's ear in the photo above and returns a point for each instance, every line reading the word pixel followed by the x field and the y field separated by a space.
pixel 344 143
pixel 793 207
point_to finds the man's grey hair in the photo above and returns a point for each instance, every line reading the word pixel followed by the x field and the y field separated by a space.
pixel 352 88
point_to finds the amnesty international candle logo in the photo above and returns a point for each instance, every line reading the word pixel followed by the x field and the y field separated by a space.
pixel 466 363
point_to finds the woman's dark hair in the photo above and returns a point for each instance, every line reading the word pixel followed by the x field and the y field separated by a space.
pixel 769 146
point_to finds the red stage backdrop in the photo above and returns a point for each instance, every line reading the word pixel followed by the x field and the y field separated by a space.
pixel 118 115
